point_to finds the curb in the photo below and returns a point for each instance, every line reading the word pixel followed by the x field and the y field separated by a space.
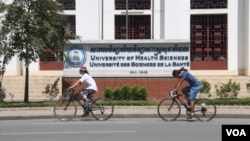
pixel 115 116
pixel 119 112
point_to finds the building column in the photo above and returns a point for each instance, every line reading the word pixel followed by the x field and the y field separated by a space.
pixel 247 37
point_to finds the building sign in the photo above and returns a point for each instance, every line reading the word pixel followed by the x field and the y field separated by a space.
pixel 127 60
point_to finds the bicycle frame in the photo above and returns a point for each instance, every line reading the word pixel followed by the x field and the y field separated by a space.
pixel 78 97
pixel 72 97
pixel 66 108
pixel 176 97
pixel 169 108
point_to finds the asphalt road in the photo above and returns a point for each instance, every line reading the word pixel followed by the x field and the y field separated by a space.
pixel 115 129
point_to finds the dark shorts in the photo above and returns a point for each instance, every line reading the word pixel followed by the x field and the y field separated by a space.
pixel 90 94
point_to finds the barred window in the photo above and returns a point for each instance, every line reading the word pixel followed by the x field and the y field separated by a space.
pixel 208 4
pixel 132 4
pixel 139 27
pixel 68 4
pixel 49 55
pixel 71 22
pixel 209 41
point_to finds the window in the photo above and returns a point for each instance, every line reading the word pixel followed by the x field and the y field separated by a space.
pixel 132 4
pixel 138 27
pixel 49 62
pixel 68 4
pixel 208 47
pixel 71 23
pixel 208 41
pixel 208 4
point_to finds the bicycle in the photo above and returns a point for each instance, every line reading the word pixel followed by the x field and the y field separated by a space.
pixel 169 108
pixel 65 108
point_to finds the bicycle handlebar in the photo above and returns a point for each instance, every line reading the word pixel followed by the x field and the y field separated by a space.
pixel 172 93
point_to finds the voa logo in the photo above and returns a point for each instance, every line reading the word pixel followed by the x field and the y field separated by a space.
pixel 241 132
pixel 236 132
pixel 76 56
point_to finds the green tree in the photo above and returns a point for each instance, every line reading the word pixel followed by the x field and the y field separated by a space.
pixel 2 6
pixel 7 58
pixel 29 29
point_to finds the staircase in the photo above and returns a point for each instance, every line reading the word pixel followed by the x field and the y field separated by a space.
pixel 14 86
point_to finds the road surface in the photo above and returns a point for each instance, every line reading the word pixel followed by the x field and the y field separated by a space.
pixel 115 129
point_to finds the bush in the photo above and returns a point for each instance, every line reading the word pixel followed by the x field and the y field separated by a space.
pixel 142 95
pixel 51 90
pixel 116 94
pixel 127 93
pixel 108 93
pixel 228 90
pixel 205 88
pixel 135 90
pixel 248 86
pixel 2 93
pixel 232 101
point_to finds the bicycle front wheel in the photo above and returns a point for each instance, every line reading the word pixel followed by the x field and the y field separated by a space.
pixel 168 109
pixel 102 108
pixel 205 109
pixel 64 110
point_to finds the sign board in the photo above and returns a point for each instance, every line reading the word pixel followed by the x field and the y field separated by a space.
pixel 126 60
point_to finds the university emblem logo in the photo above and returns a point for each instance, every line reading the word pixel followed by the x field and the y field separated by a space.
pixel 76 56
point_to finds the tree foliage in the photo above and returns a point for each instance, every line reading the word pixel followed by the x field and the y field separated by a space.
pixel 29 29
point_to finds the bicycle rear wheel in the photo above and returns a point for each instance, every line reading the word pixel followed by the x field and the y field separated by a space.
pixel 168 109
pixel 63 110
pixel 102 108
pixel 205 109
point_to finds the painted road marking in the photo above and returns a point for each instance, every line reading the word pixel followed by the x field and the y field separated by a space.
pixel 84 132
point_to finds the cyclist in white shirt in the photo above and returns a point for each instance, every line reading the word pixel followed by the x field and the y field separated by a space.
pixel 91 88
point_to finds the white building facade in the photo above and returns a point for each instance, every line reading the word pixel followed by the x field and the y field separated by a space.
pixel 142 41
pixel 170 22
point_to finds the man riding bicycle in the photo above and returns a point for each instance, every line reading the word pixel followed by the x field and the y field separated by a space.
pixel 91 88
pixel 193 88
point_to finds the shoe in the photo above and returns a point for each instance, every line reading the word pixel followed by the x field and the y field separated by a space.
pixel 85 111
pixel 191 116
pixel 85 114
pixel 189 109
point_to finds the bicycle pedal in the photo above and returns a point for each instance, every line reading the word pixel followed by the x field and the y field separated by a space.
pixel 190 117
pixel 102 111
pixel 203 109
pixel 85 114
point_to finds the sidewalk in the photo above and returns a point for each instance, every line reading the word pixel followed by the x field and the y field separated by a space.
pixel 119 112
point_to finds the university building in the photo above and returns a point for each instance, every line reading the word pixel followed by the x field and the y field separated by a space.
pixel 140 42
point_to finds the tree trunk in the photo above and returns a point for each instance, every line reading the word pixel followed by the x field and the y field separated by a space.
pixel 26 89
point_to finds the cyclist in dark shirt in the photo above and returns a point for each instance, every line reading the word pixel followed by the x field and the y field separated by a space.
pixel 194 86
